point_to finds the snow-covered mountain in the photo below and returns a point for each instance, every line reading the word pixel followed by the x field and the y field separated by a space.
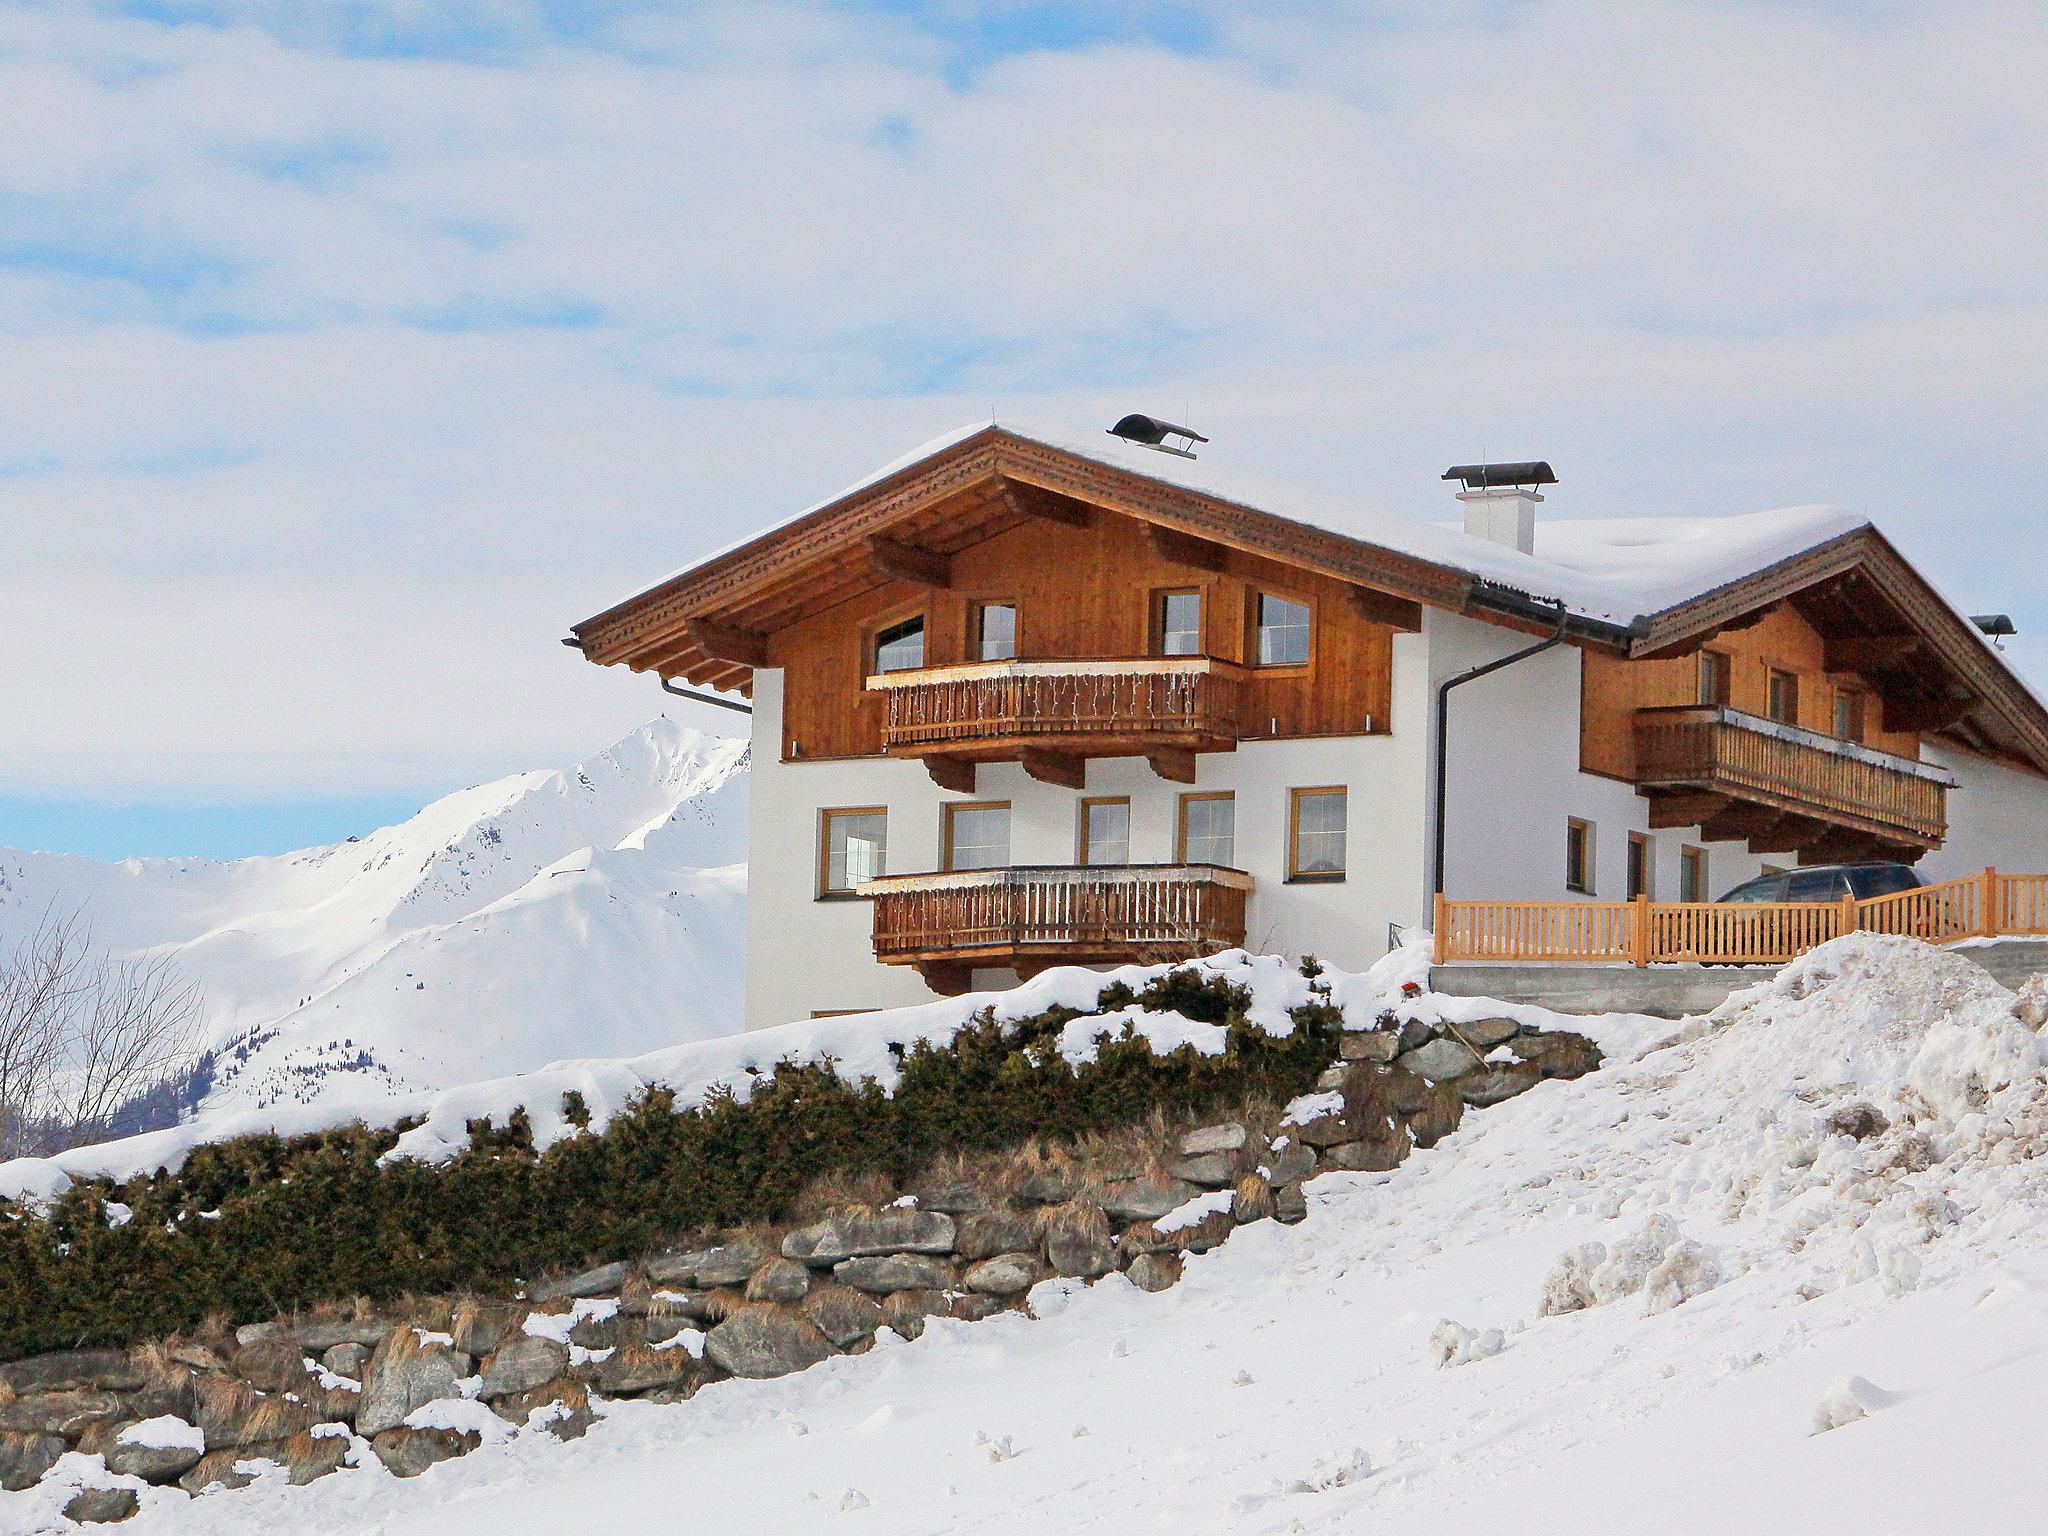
pixel 593 910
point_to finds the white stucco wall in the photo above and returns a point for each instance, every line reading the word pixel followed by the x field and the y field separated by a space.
pixel 1514 781
pixel 805 954
pixel 1996 816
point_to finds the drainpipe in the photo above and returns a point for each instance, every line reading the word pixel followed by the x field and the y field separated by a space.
pixel 1443 736
pixel 704 698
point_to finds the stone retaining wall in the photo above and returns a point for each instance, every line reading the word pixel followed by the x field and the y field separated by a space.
pixel 412 1386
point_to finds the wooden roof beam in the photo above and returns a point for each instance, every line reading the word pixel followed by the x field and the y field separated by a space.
pixel 1940 713
pixel 1177 548
pixel 1868 653
pixel 1028 501
pixel 728 642
pixel 1377 607
pixel 907 562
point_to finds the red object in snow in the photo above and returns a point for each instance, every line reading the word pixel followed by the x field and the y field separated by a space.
pixel 1411 989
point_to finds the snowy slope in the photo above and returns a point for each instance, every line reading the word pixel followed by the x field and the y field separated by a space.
pixel 592 910
pixel 1287 1384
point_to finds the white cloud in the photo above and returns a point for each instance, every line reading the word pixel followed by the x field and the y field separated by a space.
pixel 398 364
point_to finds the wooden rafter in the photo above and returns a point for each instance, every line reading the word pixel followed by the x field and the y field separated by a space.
pixel 1179 548
pixel 1376 607
pixel 1868 653
pixel 728 642
pixel 909 562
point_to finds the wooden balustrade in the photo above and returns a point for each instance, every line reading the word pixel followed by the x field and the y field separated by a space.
pixel 1190 700
pixel 1714 748
pixel 1644 932
pixel 1060 913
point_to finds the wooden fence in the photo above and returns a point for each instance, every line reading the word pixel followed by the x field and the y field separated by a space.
pixel 1645 932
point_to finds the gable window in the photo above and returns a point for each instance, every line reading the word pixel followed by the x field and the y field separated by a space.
pixel 1578 856
pixel 995 631
pixel 977 836
pixel 1714 675
pixel 1849 714
pixel 1783 700
pixel 1692 874
pixel 853 846
pixel 900 647
pixel 1642 866
pixel 1105 831
pixel 1283 631
pixel 1177 624
pixel 1315 834
pixel 1208 829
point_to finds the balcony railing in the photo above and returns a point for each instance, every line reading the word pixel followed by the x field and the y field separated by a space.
pixel 1060 914
pixel 1714 748
pixel 1192 701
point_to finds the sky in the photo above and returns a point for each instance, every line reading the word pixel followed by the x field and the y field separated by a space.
pixel 351 352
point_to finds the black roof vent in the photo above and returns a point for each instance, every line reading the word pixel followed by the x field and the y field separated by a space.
pixel 1999 626
pixel 1151 432
pixel 1484 477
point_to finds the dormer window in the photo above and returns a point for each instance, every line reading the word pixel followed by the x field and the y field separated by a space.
pixel 1283 631
pixel 900 647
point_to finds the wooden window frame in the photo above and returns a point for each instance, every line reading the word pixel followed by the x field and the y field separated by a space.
pixel 1692 857
pixel 1773 676
pixel 1580 882
pixel 1858 701
pixel 946 814
pixel 1155 621
pixel 826 891
pixel 1643 847
pixel 871 640
pixel 1081 827
pixel 1722 665
pixel 1258 594
pixel 1180 822
pixel 1296 875
pixel 971 649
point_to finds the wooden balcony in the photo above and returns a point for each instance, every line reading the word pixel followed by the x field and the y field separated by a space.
pixel 1786 789
pixel 1053 715
pixel 1033 917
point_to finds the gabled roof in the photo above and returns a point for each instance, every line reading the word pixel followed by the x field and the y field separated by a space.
pixel 1634 586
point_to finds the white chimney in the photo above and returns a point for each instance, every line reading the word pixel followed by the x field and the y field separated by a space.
pixel 1500 500
pixel 1505 514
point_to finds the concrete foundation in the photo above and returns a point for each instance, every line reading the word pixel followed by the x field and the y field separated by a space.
pixel 1673 991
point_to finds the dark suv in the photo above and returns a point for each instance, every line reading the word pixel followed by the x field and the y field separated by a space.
pixel 1828 882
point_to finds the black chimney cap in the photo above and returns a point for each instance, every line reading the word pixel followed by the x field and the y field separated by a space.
pixel 1482 477
pixel 1153 432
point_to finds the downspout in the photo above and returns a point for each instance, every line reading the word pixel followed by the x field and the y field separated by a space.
pixel 1443 736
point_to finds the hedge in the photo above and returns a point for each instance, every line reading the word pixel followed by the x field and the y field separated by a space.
pixel 261 1225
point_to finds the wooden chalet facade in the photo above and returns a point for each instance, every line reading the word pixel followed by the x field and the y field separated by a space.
pixel 1020 703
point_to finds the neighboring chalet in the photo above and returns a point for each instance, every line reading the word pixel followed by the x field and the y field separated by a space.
pixel 1020 702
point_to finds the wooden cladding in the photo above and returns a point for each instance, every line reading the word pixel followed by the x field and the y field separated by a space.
pixel 1132 704
pixel 1645 932
pixel 1721 751
pixel 1082 592
pixel 1058 914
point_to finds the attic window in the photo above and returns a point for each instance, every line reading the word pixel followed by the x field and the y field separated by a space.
pixel 1283 631
pixel 900 647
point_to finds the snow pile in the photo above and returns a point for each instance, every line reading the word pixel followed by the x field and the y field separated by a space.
pixel 597 907
pixel 861 1045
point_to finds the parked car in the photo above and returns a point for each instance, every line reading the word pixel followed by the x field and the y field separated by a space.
pixel 1829 882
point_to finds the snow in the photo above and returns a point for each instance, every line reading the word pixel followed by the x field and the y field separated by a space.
pixel 1296 1378
pixel 1616 570
pixel 166 1432
pixel 1190 1213
pixel 599 904
pixel 462 1416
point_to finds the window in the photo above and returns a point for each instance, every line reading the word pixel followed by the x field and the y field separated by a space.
pixel 900 647
pixel 1849 714
pixel 1692 874
pixel 1207 829
pixel 995 631
pixel 853 846
pixel 978 836
pixel 1714 674
pixel 1315 834
pixel 1815 885
pixel 1177 624
pixel 1642 866
pixel 1784 698
pixel 1283 631
pixel 1105 832
pixel 1578 856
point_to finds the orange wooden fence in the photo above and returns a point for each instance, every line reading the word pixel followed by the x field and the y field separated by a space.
pixel 1645 932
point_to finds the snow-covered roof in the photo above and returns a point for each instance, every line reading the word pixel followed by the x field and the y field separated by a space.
pixel 1614 570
